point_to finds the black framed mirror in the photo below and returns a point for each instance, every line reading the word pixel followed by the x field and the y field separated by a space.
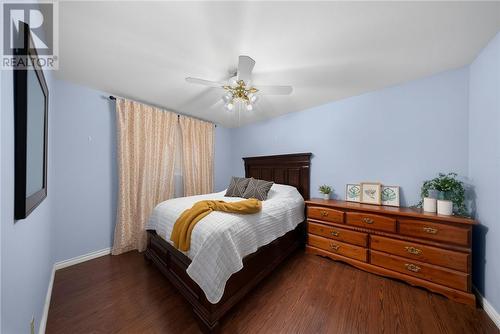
pixel 31 101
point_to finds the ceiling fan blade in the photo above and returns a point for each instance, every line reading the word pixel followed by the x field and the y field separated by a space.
pixel 275 90
pixel 245 67
pixel 209 83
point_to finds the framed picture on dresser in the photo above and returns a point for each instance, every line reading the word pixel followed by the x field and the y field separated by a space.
pixel 390 195
pixel 353 192
pixel 370 192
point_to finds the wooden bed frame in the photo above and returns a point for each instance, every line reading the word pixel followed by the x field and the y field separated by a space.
pixel 291 169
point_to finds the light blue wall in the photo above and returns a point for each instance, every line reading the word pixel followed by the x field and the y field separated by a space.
pixel 401 135
pixel 26 251
pixel 484 167
pixel 85 168
pixel 222 158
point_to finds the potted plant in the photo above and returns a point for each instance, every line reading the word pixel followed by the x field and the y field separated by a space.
pixel 326 191
pixel 450 194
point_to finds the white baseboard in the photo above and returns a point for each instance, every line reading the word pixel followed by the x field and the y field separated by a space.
pixel 60 265
pixel 82 258
pixel 488 308
pixel 43 321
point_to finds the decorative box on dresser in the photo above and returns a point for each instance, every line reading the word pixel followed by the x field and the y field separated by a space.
pixel 420 248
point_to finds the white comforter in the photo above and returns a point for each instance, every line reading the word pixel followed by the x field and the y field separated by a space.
pixel 221 240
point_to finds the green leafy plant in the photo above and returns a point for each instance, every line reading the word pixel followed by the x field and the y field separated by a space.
pixel 450 188
pixel 324 189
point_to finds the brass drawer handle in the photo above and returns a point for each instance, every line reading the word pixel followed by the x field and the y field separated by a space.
pixel 324 213
pixel 335 247
pixel 367 220
pixel 430 230
pixel 413 250
pixel 412 267
pixel 334 233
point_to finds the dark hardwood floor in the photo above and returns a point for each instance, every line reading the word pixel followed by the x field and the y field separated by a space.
pixel 307 294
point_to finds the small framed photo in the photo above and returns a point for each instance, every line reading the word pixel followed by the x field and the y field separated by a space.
pixel 353 193
pixel 390 195
pixel 370 192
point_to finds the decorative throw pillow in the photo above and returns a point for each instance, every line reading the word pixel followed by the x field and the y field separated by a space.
pixel 237 187
pixel 258 189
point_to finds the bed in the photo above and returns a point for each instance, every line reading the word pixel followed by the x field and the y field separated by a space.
pixel 290 169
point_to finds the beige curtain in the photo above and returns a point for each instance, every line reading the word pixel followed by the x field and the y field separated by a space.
pixel 146 151
pixel 197 156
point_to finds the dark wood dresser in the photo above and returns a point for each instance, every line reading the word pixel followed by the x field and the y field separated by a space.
pixel 422 249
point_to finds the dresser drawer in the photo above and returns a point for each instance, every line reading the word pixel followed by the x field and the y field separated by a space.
pixel 428 254
pixel 429 272
pixel 337 247
pixel 370 221
pixel 326 214
pixel 435 231
pixel 336 233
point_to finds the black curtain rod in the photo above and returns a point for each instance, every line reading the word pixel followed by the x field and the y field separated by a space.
pixel 111 97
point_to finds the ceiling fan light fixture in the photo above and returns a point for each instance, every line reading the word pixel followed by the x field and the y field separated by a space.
pixel 238 90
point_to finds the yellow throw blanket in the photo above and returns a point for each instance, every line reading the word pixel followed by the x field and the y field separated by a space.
pixel 181 234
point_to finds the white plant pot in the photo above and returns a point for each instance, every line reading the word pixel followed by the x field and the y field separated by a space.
pixel 326 196
pixel 444 207
pixel 430 204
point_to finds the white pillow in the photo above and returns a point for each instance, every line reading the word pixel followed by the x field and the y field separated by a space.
pixel 281 190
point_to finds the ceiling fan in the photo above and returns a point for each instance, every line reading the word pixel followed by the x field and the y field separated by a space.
pixel 239 90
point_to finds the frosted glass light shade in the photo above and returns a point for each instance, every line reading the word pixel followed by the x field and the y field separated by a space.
pixel 253 98
pixel 227 97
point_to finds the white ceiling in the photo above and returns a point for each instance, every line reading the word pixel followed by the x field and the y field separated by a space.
pixel 325 50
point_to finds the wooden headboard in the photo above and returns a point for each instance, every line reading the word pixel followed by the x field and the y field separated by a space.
pixel 290 169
